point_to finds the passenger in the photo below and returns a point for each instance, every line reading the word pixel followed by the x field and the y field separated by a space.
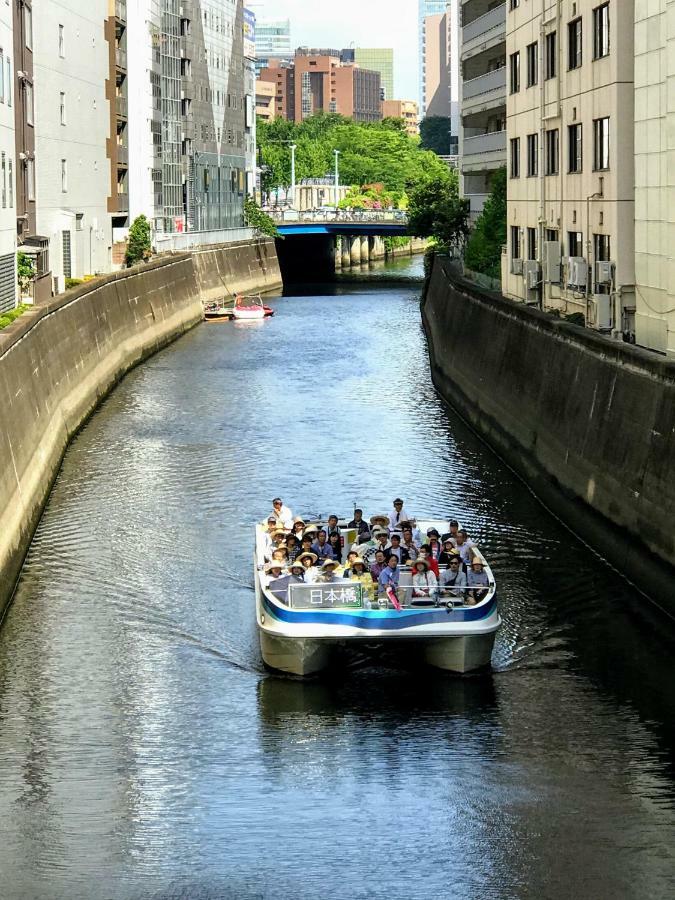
pixel 282 513
pixel 398 515
pixel 389 576
pixel 351 556
pixel 268 528
pixel 328 572
pixel 416 534
pixel 297 571
pixel 333 527
pixel 298 527
pixel 425 553
pixel 452 534
pixel 322 548
pixel 378 565
pixel 270 525
pixel 273 571
pixel 434 542
pixel 398 549
pixel 464 545
pixel 359 523
pixel 447 553
pixel 277 541
pixel 280 555
pixel 311 531
pixel 370 548
pixel 477 577
pixel 453 580
pixel 308 560
pixel 360 573
pixel 382 539
pixel 424 581
pixel 335 543
pixel 380 521
pixel 306 544
pixel 293 547
pixel 409 544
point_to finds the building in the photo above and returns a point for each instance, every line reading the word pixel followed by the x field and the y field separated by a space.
pixel 570 124
pixel 8 157
pixel 376 60
pixel 265 96
pixel 440 64
pixel 272 37
pixel 654 176
pixel 319 81
pixel 406 110
pixel 71 66
pixel 482 130
pixel 426 8
pixel 117 146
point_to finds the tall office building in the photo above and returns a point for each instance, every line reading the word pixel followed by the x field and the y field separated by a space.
pixel 71 65
pixel 378 60
pixel 7 164
pixel 570 120
pixel 426 8
pixel 482 130
pixel 272 36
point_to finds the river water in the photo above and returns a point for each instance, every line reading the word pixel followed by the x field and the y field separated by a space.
pixel 146 753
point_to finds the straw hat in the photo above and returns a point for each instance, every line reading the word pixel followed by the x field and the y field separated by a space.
pixel 330 562
pixel 376 532
pixel 380 518
pixel 359 561
pixel 307 555
pixel 296 564
pixel 278 532
pixel 298 520
pixel 275 564
pixel 421 562
pixel 310 530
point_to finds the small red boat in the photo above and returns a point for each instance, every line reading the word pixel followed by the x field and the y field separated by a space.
pixel 244 309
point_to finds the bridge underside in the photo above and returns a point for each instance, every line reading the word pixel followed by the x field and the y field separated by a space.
pixel 344 229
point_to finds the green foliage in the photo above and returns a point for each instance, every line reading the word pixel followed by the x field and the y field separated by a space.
pixel 435 134
pixel 437 211
pixel 7 318
pixel 25 270
pixel 576 318
pixel 256 218
pixel 394 243
pixel 373 196
pixel 372 153
pixel 73 282
pixel 139 246
pixel 484 249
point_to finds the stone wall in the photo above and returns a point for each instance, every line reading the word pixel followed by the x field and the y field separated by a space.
pixel 587 422
pixel 58 361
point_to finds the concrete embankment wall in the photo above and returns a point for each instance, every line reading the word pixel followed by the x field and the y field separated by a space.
pixel 587 422
pixel 58 361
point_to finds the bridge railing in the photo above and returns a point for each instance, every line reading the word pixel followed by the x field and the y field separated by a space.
pixel 290 216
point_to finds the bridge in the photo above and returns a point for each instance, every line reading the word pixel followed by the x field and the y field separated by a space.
pixel 341 222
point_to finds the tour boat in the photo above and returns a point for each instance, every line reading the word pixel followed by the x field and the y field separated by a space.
pixel 302 626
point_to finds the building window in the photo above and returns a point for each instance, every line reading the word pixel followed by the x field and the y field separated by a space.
pixel 9 81
pixel 3 179
pixel 515 242
pixel 62 108
pixel 515 72
pixel 575 243
pixel 514 4
pixel 601 31
pixel 551 54
pixel 552 152
pixel 64 175
pixel 28 26
pixel 574 44
pixel 62 42
pixel 601 247
pixel 515 157
pixel 552 235
pixel 28 101
pixel 532 64
pixel 2 75
pixel 531 243
pixel 30 179
pixel 532 155
pixel 67 255
pixel 601 144
pixel 575 148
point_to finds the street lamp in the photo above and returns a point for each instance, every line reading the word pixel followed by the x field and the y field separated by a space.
pixel 337 175
pixel 294 147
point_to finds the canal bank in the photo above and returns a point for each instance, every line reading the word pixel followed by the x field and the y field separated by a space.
pixel 588 423
pixel 59 360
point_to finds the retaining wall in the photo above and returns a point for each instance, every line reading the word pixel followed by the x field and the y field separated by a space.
pixel 589 423
pixel 58 361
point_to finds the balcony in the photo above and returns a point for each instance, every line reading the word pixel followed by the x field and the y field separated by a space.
pixel 485 92
pixel 484 32
pixel 121 59
pixel 484 152
pixel 121 107
pixel 122 202
pixel 121 11
pixel 122 156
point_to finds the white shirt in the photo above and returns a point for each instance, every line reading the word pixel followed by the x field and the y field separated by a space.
pixel 423 582
pixel 285 516
pixel 465 551
pixel 396 517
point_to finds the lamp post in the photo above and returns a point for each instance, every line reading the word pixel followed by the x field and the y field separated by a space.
pixel 294 147
pixel 337 175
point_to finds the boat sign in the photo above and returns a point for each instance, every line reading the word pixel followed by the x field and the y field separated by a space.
pixel 326 596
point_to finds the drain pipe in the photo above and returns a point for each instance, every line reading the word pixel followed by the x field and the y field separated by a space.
pixel 542 151
pixel 598 195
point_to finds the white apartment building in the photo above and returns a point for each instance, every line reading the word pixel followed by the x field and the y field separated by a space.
pixel 570 115
pixel 73 171
pixel 655 175
pixel 482 135
pixel 8 286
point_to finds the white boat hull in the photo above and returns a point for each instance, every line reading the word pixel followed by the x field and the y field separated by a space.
pixel 248 314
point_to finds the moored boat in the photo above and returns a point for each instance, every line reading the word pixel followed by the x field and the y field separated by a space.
pixel 219 311
pixel 302 625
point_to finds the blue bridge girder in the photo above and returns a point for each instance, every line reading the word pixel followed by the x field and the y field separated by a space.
pixel 346 229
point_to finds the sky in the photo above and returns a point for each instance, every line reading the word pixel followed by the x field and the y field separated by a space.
pixel 364 23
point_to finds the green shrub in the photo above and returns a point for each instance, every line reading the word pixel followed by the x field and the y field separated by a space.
pixel 483 251
pixel 73 282
pixel 139 246
pixel 259 220
pixel 7 318
pixel 576 318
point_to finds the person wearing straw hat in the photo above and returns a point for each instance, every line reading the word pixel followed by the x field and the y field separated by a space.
pixel 360 573
pixel 477 577
pixel 424 582
pixel 381 520
pixel 298 527
pixel 449 550
pixel 273 571
pixel 297 571
pixel 278 540
pixel 329 572
pixel 307 560
pixel 351 556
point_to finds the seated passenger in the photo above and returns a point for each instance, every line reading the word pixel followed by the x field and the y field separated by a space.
pixel 297 571
pixel 277 541
pixel 293 547
pixel 322 548
pixel 280 555
pixel 452 534
pixel 360 573
pixel 308 560
pixel 282 513
pixel 351 556
pixel 273 571
pixel 389 578
pixel 425 553
pixel 409 544
pixel 416 534
pixel 398 515
pixel 423 580
pixel 453 579
pixel 378 565
pixel 328 572
pixel 476 577
pixel 379 521
pixel 434 542
pixel 378 541
pixel 398 550
pixel 298 527
pixel 359 523
pixel 447 552
pixel 464 545
pixel 335 543
pixel 333 526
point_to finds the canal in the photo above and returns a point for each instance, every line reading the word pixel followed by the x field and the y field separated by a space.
pixel 145 752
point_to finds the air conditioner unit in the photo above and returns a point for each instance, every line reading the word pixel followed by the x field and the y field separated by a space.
pixel 604 272
pixel 552 261
pixel 603 312
pixel 577 272
pixel 531 274
pixel 516 267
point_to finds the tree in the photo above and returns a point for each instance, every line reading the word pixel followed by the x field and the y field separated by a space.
pixel 139 246
pixel 437 211
pixel 25 271
pixel 435 134
pixel 259 220
pixel 484 249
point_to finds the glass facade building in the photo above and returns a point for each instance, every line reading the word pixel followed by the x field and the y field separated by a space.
pixel 378 60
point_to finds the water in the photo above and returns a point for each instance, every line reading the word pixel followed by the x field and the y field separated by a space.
pixel 145 752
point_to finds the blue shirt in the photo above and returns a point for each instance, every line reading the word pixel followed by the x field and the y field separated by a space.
pixel 388 578
pixel 325 552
